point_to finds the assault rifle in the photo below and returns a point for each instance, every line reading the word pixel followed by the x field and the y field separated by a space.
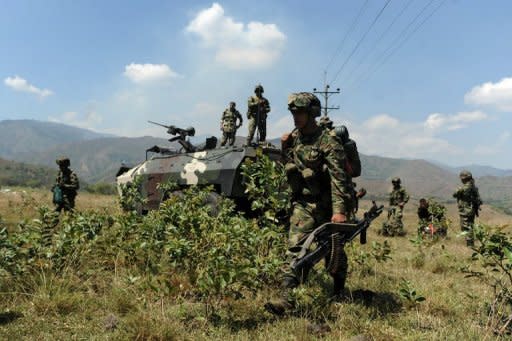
pixel 330 239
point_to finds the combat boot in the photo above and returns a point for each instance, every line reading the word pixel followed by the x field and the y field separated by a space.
pixel 283 303
pixel 339 292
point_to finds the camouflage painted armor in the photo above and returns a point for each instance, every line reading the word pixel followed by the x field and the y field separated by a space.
pixel 229 126
pixel 258 108
pixel 320 188
pixel 394 225
pixel 468 203
pixel 69 185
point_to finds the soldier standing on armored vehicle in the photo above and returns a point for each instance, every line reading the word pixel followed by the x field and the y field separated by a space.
pixel 468 202
pixel 228 124
pixel 257 109
pixel 66 186
pixel 320 187
pixel 398 197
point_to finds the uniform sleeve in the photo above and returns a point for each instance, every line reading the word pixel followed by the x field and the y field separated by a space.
pixel 267 106
pixel 405 196
pixel 239 116
pixel 335 158
pixel 74 184
pixel 458 192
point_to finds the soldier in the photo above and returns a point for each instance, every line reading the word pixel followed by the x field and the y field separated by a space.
pixel 397 200
pixel 432 219
pixel 321 189
pixel 257 110
pixel 228 124
pixel 66 185
pixel 468 202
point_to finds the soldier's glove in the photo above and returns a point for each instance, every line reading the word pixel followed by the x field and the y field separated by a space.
pixel 286 141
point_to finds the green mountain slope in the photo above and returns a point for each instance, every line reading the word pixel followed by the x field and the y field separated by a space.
pixel 97 160
pixel 31 136
pixel 22 174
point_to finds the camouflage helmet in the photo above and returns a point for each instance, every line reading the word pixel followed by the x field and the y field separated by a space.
pixel 63 161
pixel 232 104
pixel 396 180
pixel 304 100
pixel 465 175
pixel 259 88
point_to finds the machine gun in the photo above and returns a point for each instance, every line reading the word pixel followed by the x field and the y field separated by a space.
pixel 330 239
pixel 181 135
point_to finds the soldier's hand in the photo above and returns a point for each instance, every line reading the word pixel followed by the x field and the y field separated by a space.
pixel 338 218
pixel 286 141
pixel 401 205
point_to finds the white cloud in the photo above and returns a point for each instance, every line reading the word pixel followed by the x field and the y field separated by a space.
pixel 237 45
pixel 19 84
pixel 438 121
pixel 89 120
pixel 386 135
pixel 497 95
pixel 146 73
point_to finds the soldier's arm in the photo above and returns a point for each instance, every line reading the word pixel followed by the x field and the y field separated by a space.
pixel 458 192
pixel 239 116
pixel 267 106
pixel 335 158
pixel 73 183
pixel 405 197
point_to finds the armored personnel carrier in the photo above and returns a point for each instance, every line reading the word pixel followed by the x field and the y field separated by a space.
pixel 189 165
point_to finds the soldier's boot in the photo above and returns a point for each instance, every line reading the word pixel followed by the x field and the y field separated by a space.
pixel 338 289
pixel 282 304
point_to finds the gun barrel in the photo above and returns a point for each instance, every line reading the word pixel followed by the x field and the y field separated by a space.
pixel 159 124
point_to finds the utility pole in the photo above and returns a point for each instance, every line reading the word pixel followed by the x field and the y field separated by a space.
pixel 326 93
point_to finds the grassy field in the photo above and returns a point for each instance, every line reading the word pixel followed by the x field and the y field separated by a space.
pixel 116 303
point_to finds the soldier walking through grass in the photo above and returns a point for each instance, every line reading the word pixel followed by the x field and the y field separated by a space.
pixel 468 203
pixel 66 186
pixel 321 189
pixel 398 197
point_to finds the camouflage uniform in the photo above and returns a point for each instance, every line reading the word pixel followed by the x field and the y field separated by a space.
pixel 432 219
pixel 319 184
pixel 68 183
pixel 397 199
pixel 257 109
pixel 229 125
pixel 468 202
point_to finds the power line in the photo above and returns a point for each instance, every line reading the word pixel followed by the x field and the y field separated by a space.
pixel 379 39
pixel 361 40
pixel 396 47
pixel 351 28
pixel 326 94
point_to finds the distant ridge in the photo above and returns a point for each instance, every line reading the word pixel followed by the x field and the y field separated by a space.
pixel 31 136
pixel 96 158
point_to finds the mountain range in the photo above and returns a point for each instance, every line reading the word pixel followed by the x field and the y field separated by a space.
pixel 97 157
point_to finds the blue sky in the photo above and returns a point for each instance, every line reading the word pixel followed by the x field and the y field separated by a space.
pixel 445 94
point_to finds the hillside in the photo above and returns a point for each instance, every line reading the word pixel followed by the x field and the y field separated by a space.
pixel 22 174
pixel 31 136
pixel 96 160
